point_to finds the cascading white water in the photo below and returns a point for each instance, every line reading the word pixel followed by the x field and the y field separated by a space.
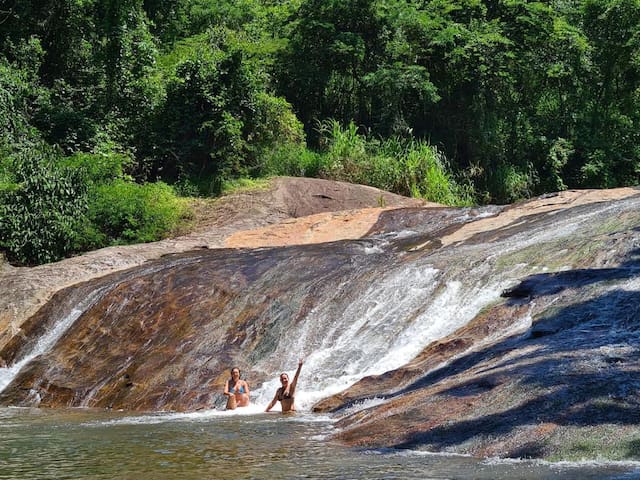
pixel 49 339
pixel 380 328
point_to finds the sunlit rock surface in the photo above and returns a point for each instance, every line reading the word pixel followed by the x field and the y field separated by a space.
pixel 508 331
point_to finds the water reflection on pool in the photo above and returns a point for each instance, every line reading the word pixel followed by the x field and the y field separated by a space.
pixel 81 444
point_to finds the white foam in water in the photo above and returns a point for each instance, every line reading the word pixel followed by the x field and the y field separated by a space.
pixel 346 349
pixel 400 234
pixel 163 417
pixel 446 313
pixel 568 465
pixel 253 410
pixel 631 285
pixel 373 250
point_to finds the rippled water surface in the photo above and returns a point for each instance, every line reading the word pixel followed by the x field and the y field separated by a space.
pixel 43 444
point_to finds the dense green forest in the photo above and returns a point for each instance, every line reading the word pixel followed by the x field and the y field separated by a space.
pixel 111 111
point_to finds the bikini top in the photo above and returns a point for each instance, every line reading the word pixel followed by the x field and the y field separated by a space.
pixel 233 389
pixel 282 395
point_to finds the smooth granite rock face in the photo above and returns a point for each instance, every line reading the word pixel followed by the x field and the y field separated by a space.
pixel 162 336
pixel 529 373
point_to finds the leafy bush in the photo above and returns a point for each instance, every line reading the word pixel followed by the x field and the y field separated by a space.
pixel 275 123
pixel 120 210
pixel 20 92
pixel 51 207
pixel 205 127
pixel 42 207
pixel 560 153
pixel 100 168
pixel 125 212
pixel 510 183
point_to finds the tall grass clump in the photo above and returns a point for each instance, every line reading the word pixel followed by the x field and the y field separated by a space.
pixel 405 166
pixel 291 160
pixel 510 183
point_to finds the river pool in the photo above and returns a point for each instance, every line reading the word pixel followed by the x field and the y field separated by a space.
pixel 88 444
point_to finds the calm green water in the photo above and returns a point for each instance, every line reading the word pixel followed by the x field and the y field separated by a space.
pixel 42 444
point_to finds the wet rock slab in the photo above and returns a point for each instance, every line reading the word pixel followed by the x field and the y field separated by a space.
pixel 547 370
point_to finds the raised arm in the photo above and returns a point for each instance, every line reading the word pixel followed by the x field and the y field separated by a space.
pixel 292 387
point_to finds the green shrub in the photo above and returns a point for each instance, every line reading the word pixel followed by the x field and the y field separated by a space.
pixel 42 207
pixel 346 152
pixel 275 123
pixel 510 183
pixel 560 153
pixel 187 187
pixel 20 92
pixel 127 212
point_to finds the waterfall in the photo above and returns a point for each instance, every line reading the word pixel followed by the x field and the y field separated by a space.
pixel 359 330
pixel 379 329
pixel 351 309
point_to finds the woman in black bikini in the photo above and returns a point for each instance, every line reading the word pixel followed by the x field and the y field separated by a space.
pixel 285 394
pixel 237 390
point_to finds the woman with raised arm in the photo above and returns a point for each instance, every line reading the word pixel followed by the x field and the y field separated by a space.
pixel 285 394
pixel 237 390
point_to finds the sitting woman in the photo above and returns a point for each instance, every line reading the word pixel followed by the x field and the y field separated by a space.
pixel 237 390
pixel 285 394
